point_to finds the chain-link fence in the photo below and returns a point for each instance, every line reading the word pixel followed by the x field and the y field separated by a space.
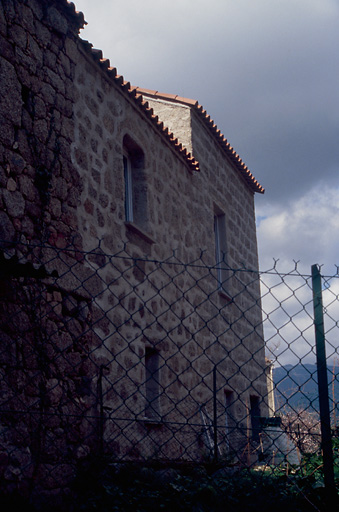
pixel 142 361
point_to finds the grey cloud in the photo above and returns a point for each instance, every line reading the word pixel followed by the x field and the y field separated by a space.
pixel 266 72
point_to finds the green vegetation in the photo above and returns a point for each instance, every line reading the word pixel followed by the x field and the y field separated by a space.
pixel 104 486
pixel 128 487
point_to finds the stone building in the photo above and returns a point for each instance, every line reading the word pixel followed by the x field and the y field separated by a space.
pixel 130 315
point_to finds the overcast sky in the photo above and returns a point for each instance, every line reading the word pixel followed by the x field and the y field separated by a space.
pixel 267 71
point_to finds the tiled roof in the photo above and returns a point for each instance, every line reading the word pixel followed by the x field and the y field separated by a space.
pixel 136 94
pixel 225 145
pixel 72 12
pixel 137 98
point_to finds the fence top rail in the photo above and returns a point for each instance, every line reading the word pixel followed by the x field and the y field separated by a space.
pixel 12 249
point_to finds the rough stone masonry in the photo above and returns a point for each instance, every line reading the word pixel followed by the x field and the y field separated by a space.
pixel 102 347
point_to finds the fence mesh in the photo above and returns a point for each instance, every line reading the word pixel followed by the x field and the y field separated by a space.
pixel 143 360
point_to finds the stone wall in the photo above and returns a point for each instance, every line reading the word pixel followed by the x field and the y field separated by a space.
pixel 219 183
pixel 82 310
pixel 39 183
pixel 180 216
pixel 219 187
pixel 45 379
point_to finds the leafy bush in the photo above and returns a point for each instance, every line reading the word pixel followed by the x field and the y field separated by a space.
pixel 104 486
pixel 110 487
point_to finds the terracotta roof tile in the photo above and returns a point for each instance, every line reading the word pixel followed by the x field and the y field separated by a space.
pixel 187 101
pixel 234 157
pixel 77 15
pixel 137 93
pixel 133 93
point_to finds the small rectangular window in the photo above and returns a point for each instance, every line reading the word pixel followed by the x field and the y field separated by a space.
pixel 128 189
pixel 152 383
pixel 255 417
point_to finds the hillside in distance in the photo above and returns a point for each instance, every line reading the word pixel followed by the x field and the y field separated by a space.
pixel 296 387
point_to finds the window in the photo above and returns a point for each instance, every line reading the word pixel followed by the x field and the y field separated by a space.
pixel 135 184
pixel 152 384
pixel 220 249
pixel 255 417
pixel 128 189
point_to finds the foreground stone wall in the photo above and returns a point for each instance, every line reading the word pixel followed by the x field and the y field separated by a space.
pixel 45 381
pixel 39 184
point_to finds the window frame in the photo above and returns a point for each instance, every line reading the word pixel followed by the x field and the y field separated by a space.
pixel 135 192
pixel 128 177
pixel 152 384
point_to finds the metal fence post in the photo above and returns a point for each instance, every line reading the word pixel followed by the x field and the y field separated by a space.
pixel 325 423
pixel 101 411
pixel 215 418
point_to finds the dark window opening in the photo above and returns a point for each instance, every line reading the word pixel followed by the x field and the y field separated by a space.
pixel 255 417
pixel 152 383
